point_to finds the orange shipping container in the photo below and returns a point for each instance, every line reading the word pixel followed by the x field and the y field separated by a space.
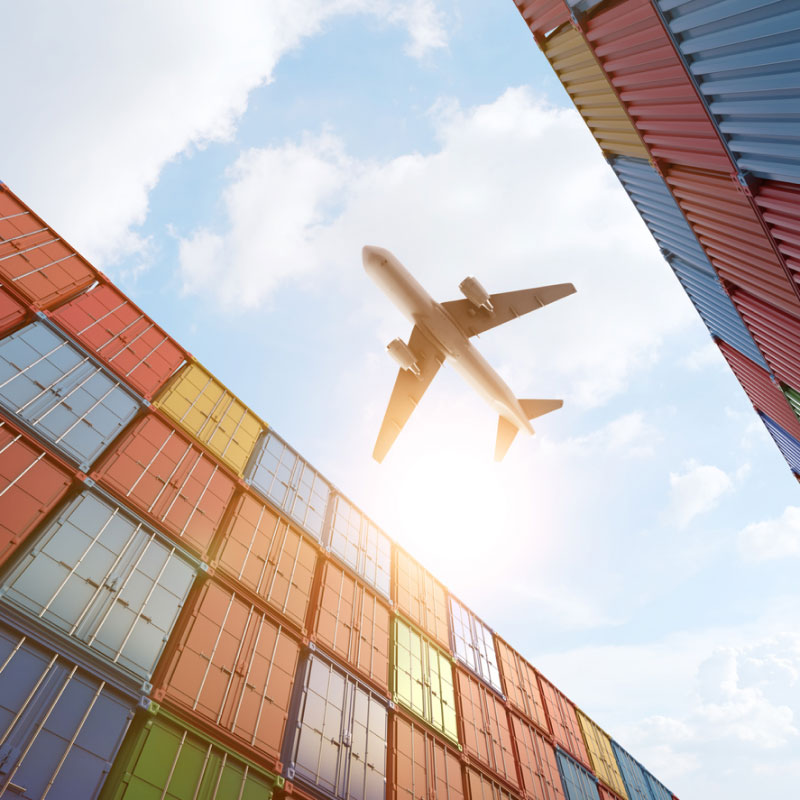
pixel 421 598
pixel 230 668
pixel 520 685
pixel 421 766
pixel 484 727
pixel 266 555
pixel 11 312
pixel 564 722
pixel 353 624
pixel 482 787
pixel 537 762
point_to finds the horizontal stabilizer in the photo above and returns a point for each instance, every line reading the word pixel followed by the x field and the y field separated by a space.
pixel 537 408
pixel 506 433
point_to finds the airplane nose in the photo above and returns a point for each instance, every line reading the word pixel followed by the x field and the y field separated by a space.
pixel 372 257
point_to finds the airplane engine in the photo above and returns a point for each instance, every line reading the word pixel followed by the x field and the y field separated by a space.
pixel 476 294
pixel 402 354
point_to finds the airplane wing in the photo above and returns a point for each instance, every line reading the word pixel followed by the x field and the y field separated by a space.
pixel 507 306
pixel 408 391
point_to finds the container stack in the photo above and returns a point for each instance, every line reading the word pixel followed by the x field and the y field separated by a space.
pixel 188 609
pixel 694 104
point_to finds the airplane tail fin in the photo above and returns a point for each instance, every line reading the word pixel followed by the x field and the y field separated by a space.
pixel 506 432
pixel 537 408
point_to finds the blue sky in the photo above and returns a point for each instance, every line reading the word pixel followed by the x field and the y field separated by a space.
pixel 225 168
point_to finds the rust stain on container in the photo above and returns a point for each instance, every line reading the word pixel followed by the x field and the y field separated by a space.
pixel 34 259
pixel 779 204
pixel 266 555
pixel 31 483
pixel 160 472
pixel 520 685
pixel 11 312
pixel 122 336
pixel 421 597
pixel 543 16
pixel 230 668
pixel 353 624
pixel 484 726
pixel 482 787
pixel 540 779
pixel 563 721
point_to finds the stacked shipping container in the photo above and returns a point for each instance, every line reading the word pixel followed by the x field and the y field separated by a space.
pixel 694 103
pixel 189 609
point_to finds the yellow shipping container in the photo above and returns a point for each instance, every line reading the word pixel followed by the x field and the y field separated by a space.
pixel 205 408
pixel 588 86
pixel 598 743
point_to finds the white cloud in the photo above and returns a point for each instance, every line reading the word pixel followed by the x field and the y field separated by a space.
pixel 776 538
pixel 706 356
pixel 628 436
pixel 105 95
pixel 695 491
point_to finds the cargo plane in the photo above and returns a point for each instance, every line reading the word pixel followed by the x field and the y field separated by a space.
pixel 443 331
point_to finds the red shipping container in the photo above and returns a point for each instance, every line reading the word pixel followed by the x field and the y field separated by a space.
pixel 647 72
pixel 542 16
pixel 733 235
pixel 122 336
pixel 763 393
pixel 37 262
pixel 269 557
pixel 520 685
pixel 230 669
pixel 421 766
pixel 484 727
pixel 422 599
pixel 780 207
pixel 540 779
pixel 777 336
pixel 564 722
pixel 31 483
pixel 481 787
pixel 11 312
pixel 352 624
pixel 169 478
pixel 606 794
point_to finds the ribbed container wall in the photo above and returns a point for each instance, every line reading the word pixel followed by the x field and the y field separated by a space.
pixel 579 783
pixel 779 204
pixel 12 313
pixel 787 444
pixel 536 757
pixel 473 644
pixel 633 774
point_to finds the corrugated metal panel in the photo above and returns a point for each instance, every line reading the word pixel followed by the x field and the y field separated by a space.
pixel 632 773
pixel 283 477
pixel 361 544
pixel 422 679
pixel 473 644
pixel 605 793
pixel 421 766
pixel 230 668
pixel 579 783
pixel 779 204
pixel 122 336
pixel 777 335
pixel 543 16
pixel 745 58
pixel 419 596
pixel 34 259
pixel 266 555
pixel 520 685
pixel 482 787
pixel 338 742
pixel 563 721
pixel 793 398
pixel 589 89
pixel 31 483
pixel 598 743
pixel 537 762
pixel 11 312
pixel 666 222
pixel 100 576
pixel 200 404
pixel 60 726
pixel 637 55
pixel 163 757
pixel 353 624
pixel 61 393
pixel 763 393
pixel 732 235
pixel 163 474
pixel 659 791
pixel 484 725
pixel 788 445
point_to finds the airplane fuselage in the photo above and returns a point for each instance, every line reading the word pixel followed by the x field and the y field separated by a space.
pixel 440 328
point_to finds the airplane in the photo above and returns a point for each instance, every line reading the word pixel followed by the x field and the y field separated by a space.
pixel 442 331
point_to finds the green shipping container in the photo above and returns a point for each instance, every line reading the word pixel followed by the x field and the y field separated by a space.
pixel 422 679
pixel 165 759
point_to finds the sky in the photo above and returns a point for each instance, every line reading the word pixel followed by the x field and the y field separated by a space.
pixel 224 164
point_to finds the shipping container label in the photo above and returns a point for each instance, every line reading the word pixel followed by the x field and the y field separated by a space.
pixel 537 762
pixel 421 598
pixel 598 744
pixel 61 393
pixel 283 477
pixel 521 685
pixel 473 644
pixel 106 580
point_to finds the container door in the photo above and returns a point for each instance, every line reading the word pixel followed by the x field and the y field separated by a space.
pixel 411 779
pixel 345 535
pixel 106 580
pixel 367 734
pixel 376 558
pixel 578 783
pixel 310 499
pixel 441 692
pixel 60 727
pixel 61 393
pixel 410 686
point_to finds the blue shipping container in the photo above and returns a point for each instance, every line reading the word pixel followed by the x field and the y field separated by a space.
pixel 579 784
pixel 787 444
pixel 633 774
